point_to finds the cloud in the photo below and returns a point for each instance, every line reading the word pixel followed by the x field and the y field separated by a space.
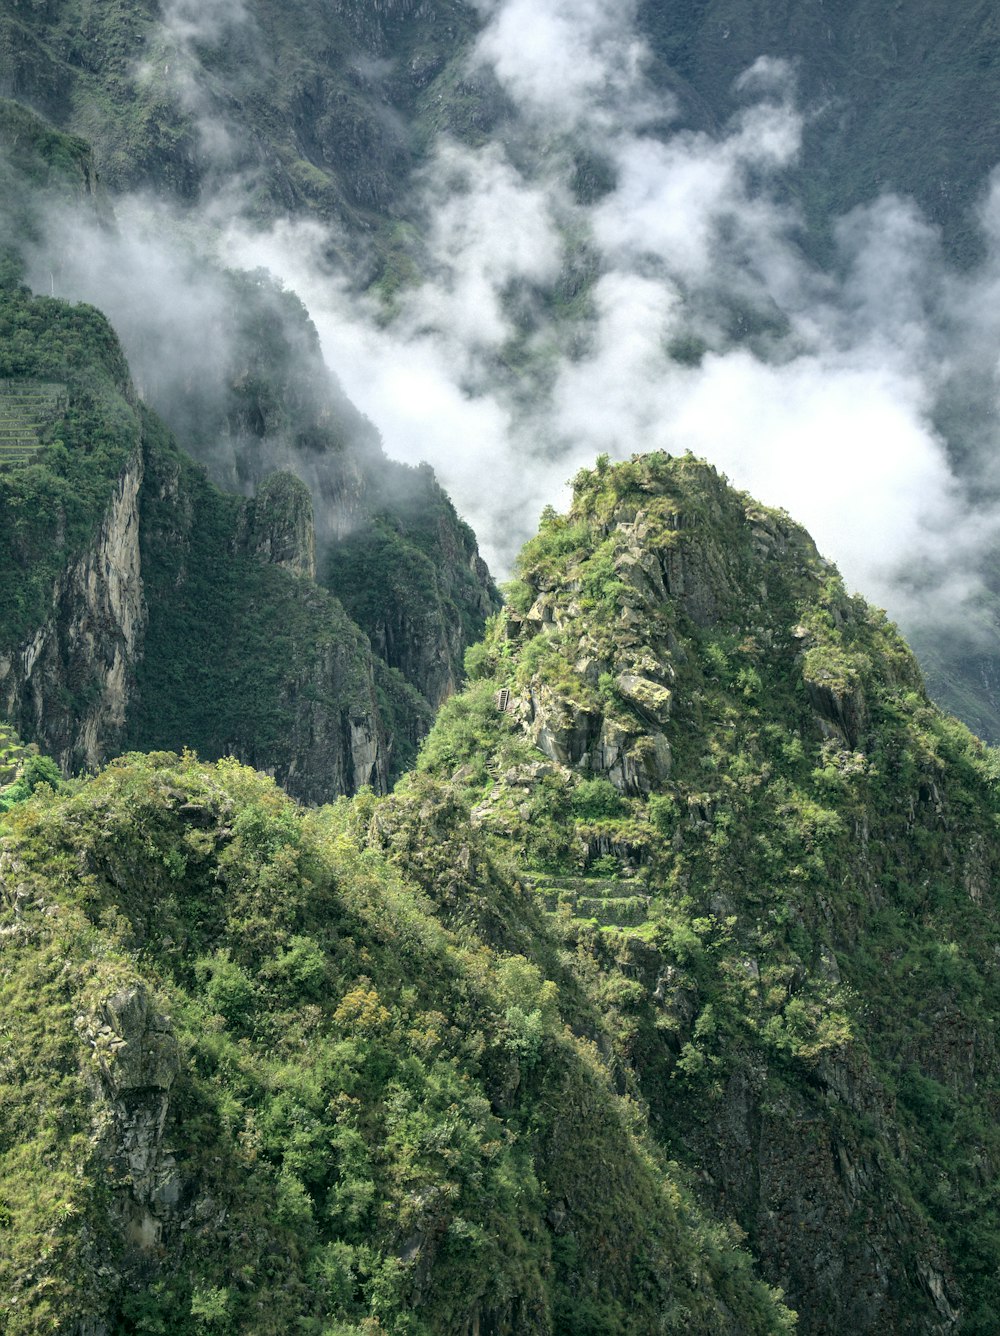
pixel 574 64
pixel 833 417
pixel 487 231
pixel 677 311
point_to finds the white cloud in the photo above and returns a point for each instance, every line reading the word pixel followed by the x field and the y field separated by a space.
pixel 837 415
pixel 488 230
pixel 575 64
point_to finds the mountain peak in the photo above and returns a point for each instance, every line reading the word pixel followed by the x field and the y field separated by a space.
pixel 664 590
pixel 719 775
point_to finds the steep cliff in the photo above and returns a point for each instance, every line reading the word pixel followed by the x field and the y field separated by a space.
pixel 251 397
pixel 680 941
pixel 390 545
pixel 72 613
pixel 148 608
pixel 70 683
pixel 245 655
pixel 775 860
pixel 413 579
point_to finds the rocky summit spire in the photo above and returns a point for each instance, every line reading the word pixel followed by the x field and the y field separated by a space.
pixel 720 777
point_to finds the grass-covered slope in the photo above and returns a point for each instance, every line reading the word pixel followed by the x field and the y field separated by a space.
pixel 680 941
pixel 709 744
pixel 252 1082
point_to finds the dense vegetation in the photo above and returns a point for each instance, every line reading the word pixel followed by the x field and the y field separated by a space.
pixel 232 647
pixel 50 510
pixel 672 966
pixel 289 1096
pixel 680 939
pixel 233 641
pixel 294 94
pixel 903 101
pixel 774 861
pixel 329 111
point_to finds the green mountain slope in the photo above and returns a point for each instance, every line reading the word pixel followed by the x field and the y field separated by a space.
pixel 144 605
pixel 680 940
pixel 252 1083
pixel 331 107
pixel 775 862
pixel 323 108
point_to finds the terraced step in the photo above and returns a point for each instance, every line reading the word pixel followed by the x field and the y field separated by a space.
pixel 13 752
pixel 612 904
pixel 606 887
pixel 26 409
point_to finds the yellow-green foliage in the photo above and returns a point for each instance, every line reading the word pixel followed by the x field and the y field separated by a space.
pixel 820 861
pixel 373 1115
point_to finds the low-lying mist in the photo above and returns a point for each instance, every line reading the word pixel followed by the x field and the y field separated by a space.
pixel 667 304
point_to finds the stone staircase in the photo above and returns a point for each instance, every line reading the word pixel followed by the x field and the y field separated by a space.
pixel 13 753
pixel 27 408
pixel 612 904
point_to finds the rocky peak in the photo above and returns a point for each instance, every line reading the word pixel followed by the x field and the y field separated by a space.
pixel 637 599
pixel 758 832
pixel 278 524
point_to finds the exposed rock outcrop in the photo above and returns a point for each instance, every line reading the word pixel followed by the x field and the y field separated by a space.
pixel 235 612
pixel 137 1060
pixel 277 525
pixel 70 685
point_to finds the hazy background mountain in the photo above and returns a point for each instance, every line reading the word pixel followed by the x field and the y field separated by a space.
pixel 528 233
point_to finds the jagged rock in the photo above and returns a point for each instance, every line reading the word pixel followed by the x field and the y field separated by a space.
pixel 839 701
pixel 278 524
pixel 560 728
pixel 138 1060
pixel 93 634
pixel 649 698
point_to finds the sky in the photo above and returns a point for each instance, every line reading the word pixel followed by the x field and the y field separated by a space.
pixel 833 410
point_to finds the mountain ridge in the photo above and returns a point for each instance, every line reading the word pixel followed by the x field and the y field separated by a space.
pixel 770 943
pixel 148 602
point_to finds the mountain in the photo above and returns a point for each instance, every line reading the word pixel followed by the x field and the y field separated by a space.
pixel 333 107
pixel 629 965
pixel 291 1096
pixel 772 858
pixel 672 961
pixel 369 135
pixel 145 607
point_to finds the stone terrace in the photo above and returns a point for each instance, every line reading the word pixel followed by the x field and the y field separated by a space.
pixel 27 408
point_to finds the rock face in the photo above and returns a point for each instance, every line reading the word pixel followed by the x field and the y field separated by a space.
pixel 138 1060
pixel 278 525
pixel 413 579
pixel 181 615
pixel 278 674
pixel 69 686
pixel 737 740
